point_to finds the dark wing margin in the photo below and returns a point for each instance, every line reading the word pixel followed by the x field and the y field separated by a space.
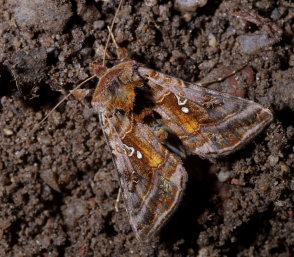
pixel 209 123
pixel 151 178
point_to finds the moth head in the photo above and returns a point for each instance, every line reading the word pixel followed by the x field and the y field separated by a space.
pixel 98 68
pixel 116 87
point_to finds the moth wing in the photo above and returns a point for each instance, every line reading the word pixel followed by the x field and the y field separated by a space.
pixel 151 178
pixel 209 123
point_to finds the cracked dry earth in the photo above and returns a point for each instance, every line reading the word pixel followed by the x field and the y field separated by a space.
pixel 58 185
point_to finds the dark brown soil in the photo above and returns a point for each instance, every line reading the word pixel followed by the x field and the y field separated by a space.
pixel 57 184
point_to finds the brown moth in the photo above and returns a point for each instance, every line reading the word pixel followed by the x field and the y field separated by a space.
pixel 150 120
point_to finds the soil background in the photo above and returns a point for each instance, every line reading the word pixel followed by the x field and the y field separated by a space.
pixel 58 185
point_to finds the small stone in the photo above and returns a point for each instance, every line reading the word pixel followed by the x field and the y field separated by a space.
pixel 279 203
pixel 20 153
pixel 212 40
pixel 273 160
pixel 290 132
pixel 151 3
pixel 14 179
pixel 291 60
pixel 8 132
pixel 276 15
pixel 265 188
pixel 61 58
pixel 50 178
pixel 238 182
pixel 189 5
pixel 73 211
pixel 223 176
pixel 284 167
pixel 86 52
pixel 98 24
pixel 44 140
pixel 248 171
pixel 292 185
pixel 251 44
pixel 187 17
pixel 177 54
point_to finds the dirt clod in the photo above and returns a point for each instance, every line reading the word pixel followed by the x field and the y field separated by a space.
pixel 47 15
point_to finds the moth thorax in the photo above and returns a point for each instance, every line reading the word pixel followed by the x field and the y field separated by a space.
pixel 124 97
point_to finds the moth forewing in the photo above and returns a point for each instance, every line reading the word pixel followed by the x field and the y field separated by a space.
pixel 140 108
pixel 152 179
pixel 210 123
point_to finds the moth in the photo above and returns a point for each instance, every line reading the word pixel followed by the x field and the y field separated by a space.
pixel 151 120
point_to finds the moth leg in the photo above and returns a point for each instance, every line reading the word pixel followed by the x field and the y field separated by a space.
pixel 206 83
pixel 122 53
pixel 117 200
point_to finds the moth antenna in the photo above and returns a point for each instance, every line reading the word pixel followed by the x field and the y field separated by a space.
pixel 111 27
pixel 122 53
pixel 66 97
pixel 112 37
pixel 203 84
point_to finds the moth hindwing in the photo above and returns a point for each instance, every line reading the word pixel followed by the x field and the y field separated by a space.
pixel 149 119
